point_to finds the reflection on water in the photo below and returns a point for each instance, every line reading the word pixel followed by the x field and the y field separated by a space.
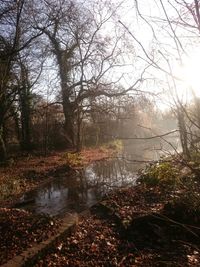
pixel 69 194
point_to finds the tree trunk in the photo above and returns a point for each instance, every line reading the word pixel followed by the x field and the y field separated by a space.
pixel 78 135
pixel 16 119
pixel 25 123
pixel 69 122
pixel 64 56
pixel 3 152
pixel 183 135
pixel 68 106
pixel 24 97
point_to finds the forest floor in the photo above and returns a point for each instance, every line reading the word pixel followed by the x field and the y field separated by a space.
pixel 155 223
pixel 131 227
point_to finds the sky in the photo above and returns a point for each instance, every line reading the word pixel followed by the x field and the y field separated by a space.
pixel 162 49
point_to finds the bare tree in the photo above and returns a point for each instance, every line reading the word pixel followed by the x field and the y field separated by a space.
pixel 15 37
pixel 171 42
pixel 83 55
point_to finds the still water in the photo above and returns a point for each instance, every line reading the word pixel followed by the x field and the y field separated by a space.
pixel 76 193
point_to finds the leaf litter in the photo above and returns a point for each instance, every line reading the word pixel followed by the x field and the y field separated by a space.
pixel 21 229
pixel 149 238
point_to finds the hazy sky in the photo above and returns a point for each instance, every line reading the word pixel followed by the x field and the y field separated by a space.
pixel 153 33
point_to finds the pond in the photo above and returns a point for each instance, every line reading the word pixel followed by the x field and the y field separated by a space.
pixel 77 193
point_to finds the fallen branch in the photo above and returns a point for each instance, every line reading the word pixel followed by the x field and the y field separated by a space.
pixel 145 138
pixel 185 226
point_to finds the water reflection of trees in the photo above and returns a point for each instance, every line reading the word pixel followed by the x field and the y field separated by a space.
pixel 112 173
pixel 85 189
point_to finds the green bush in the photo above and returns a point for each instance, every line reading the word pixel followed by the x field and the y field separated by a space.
pixel 195 156
pixel 185 207
pixel 73 159
pixel 160 173
pixel 9 186
pixel 116 145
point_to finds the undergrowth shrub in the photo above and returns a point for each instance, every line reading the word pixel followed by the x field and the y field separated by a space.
pixel 161 173
pixel 116 145
pixel 73 159
pixel 195 156
pixel 186 207
pixel 9 186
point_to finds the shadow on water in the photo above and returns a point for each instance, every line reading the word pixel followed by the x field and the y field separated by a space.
pixel 75 194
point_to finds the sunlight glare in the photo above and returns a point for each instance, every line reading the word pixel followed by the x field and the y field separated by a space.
pixel 190 73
